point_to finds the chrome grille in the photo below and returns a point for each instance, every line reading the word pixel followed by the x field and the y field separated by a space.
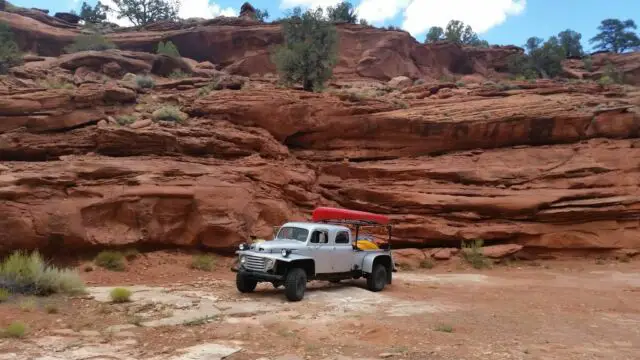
pixel 255 263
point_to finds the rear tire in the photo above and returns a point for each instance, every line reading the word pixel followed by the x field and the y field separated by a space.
pixel 295 284
pixel 378 278
pixel 245 284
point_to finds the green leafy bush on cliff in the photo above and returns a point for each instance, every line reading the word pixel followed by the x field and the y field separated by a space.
pixel 10 55
pixel 168 48
pixel 309 52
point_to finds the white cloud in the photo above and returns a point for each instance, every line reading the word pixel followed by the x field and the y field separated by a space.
pixel 377 11
pixel 188 9
pixel 420 15
pixel 204 9
pixel 287 4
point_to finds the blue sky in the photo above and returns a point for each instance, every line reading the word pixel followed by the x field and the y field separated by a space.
pixel 497 21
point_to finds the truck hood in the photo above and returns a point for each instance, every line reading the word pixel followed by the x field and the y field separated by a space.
pixel 277 245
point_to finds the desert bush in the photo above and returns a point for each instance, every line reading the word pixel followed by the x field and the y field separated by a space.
pixel 87 42
pixel 16 329
pixel 4 295
pixel 52 83
pixel 51 309
pixel 444 328
pixel 588 63
pixel 131 254
pixel 427 264
pixel 472 253
pixel 145 82
pixel 169 113
pixel 178 74
pixel 27 273
pixel 10 55
pixel 124 120
pixel 120 295
pixel 606 80
pixel 167 48
pixel 110 260
pixel 203 262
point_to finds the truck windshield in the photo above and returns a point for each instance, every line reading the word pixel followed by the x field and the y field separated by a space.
pixel 293 233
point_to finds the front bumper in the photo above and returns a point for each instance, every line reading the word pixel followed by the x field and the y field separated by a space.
pixel 259 276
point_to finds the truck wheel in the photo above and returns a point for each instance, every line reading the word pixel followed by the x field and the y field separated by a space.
pixel 378 278
pixel 295 284
pixel 245 284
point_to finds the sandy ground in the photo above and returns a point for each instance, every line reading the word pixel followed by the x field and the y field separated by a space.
pixel 560 310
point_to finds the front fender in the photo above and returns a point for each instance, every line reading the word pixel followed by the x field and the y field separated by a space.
pixel 369 260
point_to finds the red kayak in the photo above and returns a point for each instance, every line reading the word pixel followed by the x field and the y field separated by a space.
pixel 335 214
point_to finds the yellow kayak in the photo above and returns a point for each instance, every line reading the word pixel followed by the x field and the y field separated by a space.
pixel 366 245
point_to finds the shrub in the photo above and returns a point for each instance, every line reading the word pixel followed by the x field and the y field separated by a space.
pixel 51 83
pixel 167 48
pixel 10 55
pixel 588 63
pixel 16 329
pixel 131 254
pixel 145 82
pixel 444 328
pixel 606 80
pixel 427 264
pixel 460 84
pixel 4 295
pixel 28 305
pixel 87 42
pixel 472 253
pixel 203 262
pixel 124 120
pixel 110 260
pixel 120 295
pixel 28 273
pixel 309 51
pixel 169 113
pixel 51 309
pixel 178 74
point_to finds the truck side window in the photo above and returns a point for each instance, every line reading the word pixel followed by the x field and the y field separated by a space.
pixel 342 238
pixel 319 237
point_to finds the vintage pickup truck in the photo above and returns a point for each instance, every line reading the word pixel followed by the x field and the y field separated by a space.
pixel 324 249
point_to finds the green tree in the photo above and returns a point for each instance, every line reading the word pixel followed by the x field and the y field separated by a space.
pixel 542 59
pixel 460 33
pixel 143 12
pixel 615 37
pixel 94 15
pixel 309 51
pixel 262 15
pixel 570 42
pixel 435 34
pixel 342 13
pixel 167 48
pixel 10 54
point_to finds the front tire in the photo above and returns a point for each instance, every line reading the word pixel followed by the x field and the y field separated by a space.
pixel 295 284
pixel 245 284
pixel 378 278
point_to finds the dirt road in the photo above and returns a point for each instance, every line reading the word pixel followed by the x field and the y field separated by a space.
pixel 562 310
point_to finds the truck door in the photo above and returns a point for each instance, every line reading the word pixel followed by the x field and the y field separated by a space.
pixel 321 251
pixel 342 257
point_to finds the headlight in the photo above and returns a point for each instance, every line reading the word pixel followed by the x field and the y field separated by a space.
pixel 242 259
pixel 285 252
pixel 242 247
pixel 269 263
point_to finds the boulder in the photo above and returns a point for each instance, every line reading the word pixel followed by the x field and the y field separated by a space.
pixel 500 251
pixel 68 17
pixel 400 82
